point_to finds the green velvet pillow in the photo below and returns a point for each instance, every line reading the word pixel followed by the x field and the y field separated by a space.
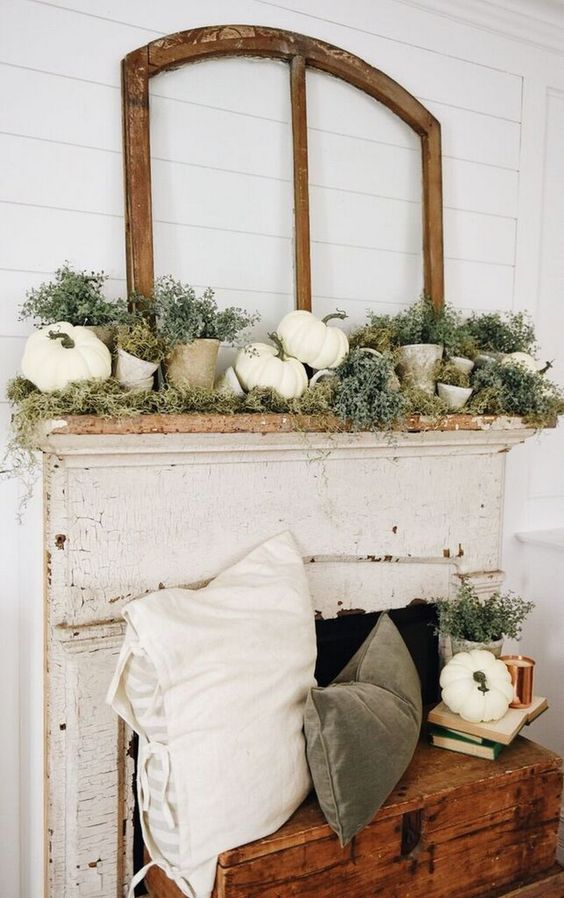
pixel 361 731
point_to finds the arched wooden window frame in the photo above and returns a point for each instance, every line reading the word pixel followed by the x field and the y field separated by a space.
pixel 300 52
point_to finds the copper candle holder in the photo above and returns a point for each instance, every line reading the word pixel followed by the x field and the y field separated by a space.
pixel 521 669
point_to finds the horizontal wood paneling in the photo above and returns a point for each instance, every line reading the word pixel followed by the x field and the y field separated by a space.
pixel 421 71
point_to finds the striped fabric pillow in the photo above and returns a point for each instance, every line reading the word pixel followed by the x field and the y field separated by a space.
pixel 157 792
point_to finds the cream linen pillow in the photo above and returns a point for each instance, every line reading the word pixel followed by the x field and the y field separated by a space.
pixel 234 663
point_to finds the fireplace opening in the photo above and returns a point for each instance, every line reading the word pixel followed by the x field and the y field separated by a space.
pixel 337 641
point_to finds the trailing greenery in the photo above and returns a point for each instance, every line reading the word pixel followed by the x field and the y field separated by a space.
pixel 73 296
pixel 448 373
pixel 502 332
pixel 364 393
pixel 141 340
pixel 482 620
pixel 183 317
pixel 510 389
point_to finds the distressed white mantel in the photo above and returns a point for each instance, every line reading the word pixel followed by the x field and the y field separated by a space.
pixel 382 521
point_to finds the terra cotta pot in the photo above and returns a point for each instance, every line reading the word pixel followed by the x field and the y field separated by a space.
pixel 193 364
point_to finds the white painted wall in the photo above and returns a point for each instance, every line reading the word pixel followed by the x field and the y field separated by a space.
pixel 494 76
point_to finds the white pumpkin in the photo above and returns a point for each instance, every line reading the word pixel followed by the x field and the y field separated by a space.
pixel 523 359
pixel 308 339
pixel 56 355
pixel 476 685
pixel 263 365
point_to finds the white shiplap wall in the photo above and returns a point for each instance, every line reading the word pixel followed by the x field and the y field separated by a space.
pixel 222 193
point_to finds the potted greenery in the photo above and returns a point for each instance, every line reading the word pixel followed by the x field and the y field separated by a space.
pixel 472 622
pixel 140 350
pixel 75 297
pixel 417 337
pixel 453 385
pixel 193 328
pixel 423 332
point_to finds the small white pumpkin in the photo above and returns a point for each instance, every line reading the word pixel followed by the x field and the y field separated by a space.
pixel 56 355
pixel 476 685
pixel 263 365
pixel 523 359
pixel 308 339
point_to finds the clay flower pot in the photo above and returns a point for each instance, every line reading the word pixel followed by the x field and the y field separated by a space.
pixel 134 373
pixel 463 364
pixel 416 364
pixel 455 397
pixel 467 645
pixel 105 332
pixel 193 364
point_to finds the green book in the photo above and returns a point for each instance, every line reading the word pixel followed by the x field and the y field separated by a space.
pixel 453 741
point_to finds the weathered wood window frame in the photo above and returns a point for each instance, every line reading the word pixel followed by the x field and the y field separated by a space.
pixel 300 52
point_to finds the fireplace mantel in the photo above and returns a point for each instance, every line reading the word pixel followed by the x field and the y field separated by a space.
pixel 138 504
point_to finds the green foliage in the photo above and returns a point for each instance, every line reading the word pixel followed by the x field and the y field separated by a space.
pixel 379 334
pixel 482 620
pixel 183 317
pixel 363 393
pixel 73 296
pixel 507 332
pixel 421 323
pixel 448 373
pixel 141 341
pixel 463 343
pixel 511 389
pixel 419 402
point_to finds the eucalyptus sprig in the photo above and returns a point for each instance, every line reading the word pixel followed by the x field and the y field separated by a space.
pixel 183 317
pixel 468 616
pixel 73 296
pixel 502 332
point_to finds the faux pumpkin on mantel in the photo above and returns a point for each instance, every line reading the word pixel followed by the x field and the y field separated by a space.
pixel 307 338
pixel 264 365
pixel 61 353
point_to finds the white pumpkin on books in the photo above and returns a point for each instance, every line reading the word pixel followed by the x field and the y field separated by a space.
pixel 477 686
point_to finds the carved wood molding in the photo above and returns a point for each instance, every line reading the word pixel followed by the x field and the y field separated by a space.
pixel 300 52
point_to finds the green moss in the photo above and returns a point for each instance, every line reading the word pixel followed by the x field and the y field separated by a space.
pixel 419 402
pixel 448 373
pixel 140 340
pixel 380 334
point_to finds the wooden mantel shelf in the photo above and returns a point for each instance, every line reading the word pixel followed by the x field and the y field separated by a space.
pixel 269 423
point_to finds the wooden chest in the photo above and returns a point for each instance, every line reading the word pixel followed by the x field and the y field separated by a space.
pixel 454 826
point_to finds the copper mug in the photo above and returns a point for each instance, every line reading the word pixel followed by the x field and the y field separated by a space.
pixel 521 669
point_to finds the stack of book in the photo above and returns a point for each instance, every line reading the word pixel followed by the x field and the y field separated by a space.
pixel 483 740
